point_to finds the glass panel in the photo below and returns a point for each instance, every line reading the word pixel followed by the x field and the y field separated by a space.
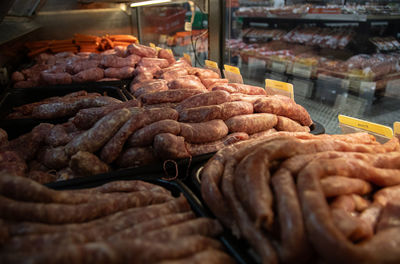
pixel 164 26
pixel 341 58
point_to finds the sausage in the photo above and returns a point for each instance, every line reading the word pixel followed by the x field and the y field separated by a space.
pixel 140 118
pixel 135 157
pixel 151 87
pixel 169 146
pixel 182 83
pixel 199 149
pixel 3 137
pixel 144 136
pixel 352 227
pixel 147 70
pixel 283 107
pixel 165 54
pixel 246 98
pixel 143 76
pixel 86 164
pixel 169 96
pixel 86 118
pixel 211 256
pixel 89 75
pixel 287 124
pixel 203 73
pixel 204 99
pixel 17 76
pixel 142 51
pixel 53 158
pixel 81 65
pixel 252 123
pixel 134 86
pixel 204 132
pixel 94 138
pixel 174 74
pixel 119 73
pixel 41 176
pixel 389 217
pixel 147 62
pixel 200 114
pixel 60 135
pixel 338 185
pixel 15 168
pixel 230 109
pixel 210 83
pixel 61 109
pixel 113 61
pixel 55 78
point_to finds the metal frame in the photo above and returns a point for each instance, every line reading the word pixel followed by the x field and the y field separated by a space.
pixel 216 40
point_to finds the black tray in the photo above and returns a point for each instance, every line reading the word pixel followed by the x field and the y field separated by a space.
pixel 17 97
pixel 176 187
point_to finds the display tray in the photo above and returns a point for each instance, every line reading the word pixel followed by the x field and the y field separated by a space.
pixel 176 187
pixel 17 97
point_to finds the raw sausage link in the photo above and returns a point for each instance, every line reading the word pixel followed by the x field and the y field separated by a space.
pixel 168 146
pixel 169 96
pixel 135 157
pixel 204 99
pixel 287 124
pixel 142 51
pixel 89 75
pixel 85 164
pixel 204 132
pixel 252 123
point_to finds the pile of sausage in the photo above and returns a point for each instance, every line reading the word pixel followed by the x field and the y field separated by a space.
pixel 67 67
pixel 300 198
pixel 64 106
pixel 118 222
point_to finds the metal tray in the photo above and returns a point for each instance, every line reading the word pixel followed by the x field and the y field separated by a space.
pixel 17 97
pixel 176 187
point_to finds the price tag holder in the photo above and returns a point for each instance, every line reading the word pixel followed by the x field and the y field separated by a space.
pixel 187 58
pixel 152 45
pixel 302 70
pixel 351 125
pixel 277 87
pixel 163 38
pixel 212 65
pixel 170 41
pixel 232 73
pixel 396 128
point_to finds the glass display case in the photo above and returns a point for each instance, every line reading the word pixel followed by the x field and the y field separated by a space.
pixel 341 56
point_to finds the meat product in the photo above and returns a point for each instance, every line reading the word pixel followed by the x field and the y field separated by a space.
pixel 230 109
pixel 143 76
pixel 151 87
pixel 199 226
pixel 169 96
pixel 351 226
pixel 204 99
pixel 81 65
pixel 10 156
pixel 135 157
pixel 147 70
pixel 55 78
pixel 165 54
pixel 240 88
pixel 144 136
pixel 294 246
pixel 89 75
pixel 17 76
pixel 245 97
pixel 210 83
pixel 199 149
pixel 94 138
pixel 174 74
pixel 113 61
pixel 86 118
pixel 287 124
pixel 3 137
pixel 125 186
pixel 25 84
pixel 85 164
pixel 263 134
pixel 204 132
pixel 344 202
pixel 41 177
pixel 182 83
pixel 200 114
pixel 338 185
pixel 385 195
pixel 207 256
pixel 119 73
pixel 276 105
pixel 142 51
pixel 134 86
pixel 61 134
pixel 148 62
pixel 66 213
pixel 15 168
pixel 190 77
pixel 71 107
pixel 169 146
pixel 140 118
pixel 389 217
pixel 203 73
pixel 53 158
pixel 252 123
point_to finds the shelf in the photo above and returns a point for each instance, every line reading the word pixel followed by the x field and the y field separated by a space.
pixel 330 17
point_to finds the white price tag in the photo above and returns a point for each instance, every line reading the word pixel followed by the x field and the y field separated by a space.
pixel 233 77
pixel 278 66
pixel 367 87
pixel 393 88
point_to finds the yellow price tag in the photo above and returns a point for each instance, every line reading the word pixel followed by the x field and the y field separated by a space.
pixel 170 51
pixel 396 128
pixel 187 57
pixel 367 126
pixel 211 64
pixel 287 88
pixel 152 45
pixel 232 69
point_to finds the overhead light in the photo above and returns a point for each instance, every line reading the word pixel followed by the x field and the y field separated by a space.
pixel 150 2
